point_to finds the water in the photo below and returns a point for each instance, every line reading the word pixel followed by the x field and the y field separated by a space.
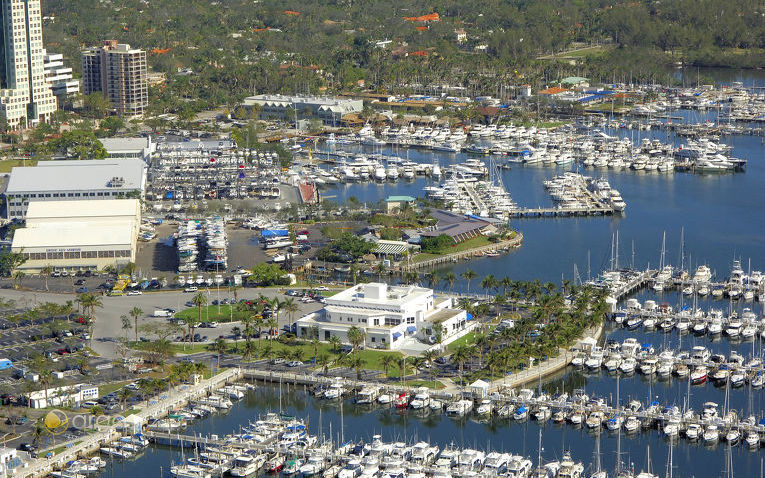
pixel 719 212
pixel 722 219
pixel 361 422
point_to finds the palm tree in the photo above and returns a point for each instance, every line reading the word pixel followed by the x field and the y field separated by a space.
pixel 199 300
pixel 335 342
pixel 432 278
pixel 46 272
pixel 272 325
pixel 126 325
pixel 290 307
pixel 461 355
pixel 506 283
pixel 275 305
pixel 356 337
pixel 220 346
pixel 410 277
pixel 323 361
pixel 434 372
pixel 469 275
pixel 489 282
pixel 387 361
pixel 380 269
pixel 136 313
pixel 450 278
pixel 430 356
pixel 355 362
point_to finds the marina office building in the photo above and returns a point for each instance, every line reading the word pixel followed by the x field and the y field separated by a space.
pixel 73 180
pixel 78 235
pixel 392 316
pixel 292 108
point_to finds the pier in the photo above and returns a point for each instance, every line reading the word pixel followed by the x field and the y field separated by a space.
pixel 516 241
pixel 564 212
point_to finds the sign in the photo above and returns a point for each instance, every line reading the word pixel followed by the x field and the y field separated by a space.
pixel 64 249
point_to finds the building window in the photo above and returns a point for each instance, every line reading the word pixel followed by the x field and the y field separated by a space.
pixel 410 320
pixel 373 340
pixel 377 321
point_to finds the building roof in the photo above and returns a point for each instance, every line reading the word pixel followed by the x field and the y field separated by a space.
pixel 83 208
pixel 555 90
pixel 456 226
pixel 443 315
pixel 74 175
pixel 125 144
pixel 574 80
pixel 400 199
pixel 391 247
pixel 73 235
pixel 373 294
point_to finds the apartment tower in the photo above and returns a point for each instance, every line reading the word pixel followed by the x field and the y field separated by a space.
pixel 119 72
pixel 26 99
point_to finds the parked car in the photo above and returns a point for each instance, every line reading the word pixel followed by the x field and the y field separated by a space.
pixel 82 290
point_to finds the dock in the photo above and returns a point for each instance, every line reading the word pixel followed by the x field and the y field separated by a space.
pixel 516 241
pixel 563 212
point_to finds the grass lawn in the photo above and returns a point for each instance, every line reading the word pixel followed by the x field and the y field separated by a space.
pixel 478 241
pixel 108 388
pixel 464 340
pixel 426 383
pixel 59 449
pixel 7 164
pixel 214 313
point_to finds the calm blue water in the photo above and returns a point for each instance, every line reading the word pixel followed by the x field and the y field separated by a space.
pixel 722 218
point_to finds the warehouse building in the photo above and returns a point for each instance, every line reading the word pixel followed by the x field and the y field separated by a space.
pixel 129 148
pixel 73 180
pixel 293 108
pixel 78 235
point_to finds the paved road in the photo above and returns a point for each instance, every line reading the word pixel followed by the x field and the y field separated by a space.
pixel 108 325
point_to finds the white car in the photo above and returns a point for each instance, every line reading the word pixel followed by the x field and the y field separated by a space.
pixel 294 363
pixel 322 287
pixel 192 288
pixel 134 292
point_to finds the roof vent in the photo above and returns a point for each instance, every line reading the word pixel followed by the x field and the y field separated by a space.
pixel 116 182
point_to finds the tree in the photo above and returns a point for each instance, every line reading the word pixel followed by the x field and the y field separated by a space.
pixel 334 340
pixel 136 313
pixel 323 360
pixel 18 277
pixel 432 278
pixel 450 278
pixel 488 283
pixel 96 105
pixel 220 347
pixel 126 325
pixel 436 245
pixel 387 361
pixel 468 275
pixel 355 362
pixel 79 144
pixel 356 337
pixel 199 300
pixel 46 272
pixel 461 355
pixel 289 306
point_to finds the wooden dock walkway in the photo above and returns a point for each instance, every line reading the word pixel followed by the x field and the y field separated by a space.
pixel 563 212
pixel 516 241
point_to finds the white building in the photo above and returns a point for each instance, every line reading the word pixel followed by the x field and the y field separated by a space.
pixel 68 395
pixel 292 108
pixel 129 148
pixel 58 76
pixel 120 73
pixel 26 99
pixel 73 180
pixel 78 235
pixel 387 314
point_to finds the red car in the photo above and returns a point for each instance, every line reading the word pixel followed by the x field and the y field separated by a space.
pixel 61 351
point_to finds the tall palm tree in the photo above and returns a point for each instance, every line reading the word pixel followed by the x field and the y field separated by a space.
pixel 220 346
pixel 450 278
pixel 335 343
pixel 126 325
pixel 356 337
pixel 469 275
pixel 46 272
pixel 387 361
pixel 488 283
pixel 432 278
pixel 289 306
pixel 323 361
pixel 461 355
pixel 136 313
pixel 355 362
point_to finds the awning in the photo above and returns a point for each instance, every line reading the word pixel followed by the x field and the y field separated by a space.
pixel 469 316
pixel 396 335
pixel 411 329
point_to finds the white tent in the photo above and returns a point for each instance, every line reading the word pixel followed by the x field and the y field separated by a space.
pixel 479 388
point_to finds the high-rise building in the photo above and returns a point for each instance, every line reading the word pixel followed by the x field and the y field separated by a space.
pixel 59 77
pixel 25 97
pixel 120 73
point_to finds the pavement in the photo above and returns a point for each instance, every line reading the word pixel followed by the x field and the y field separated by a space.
pixel 108 326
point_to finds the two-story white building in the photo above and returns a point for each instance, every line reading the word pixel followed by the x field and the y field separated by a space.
pixel 388 315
